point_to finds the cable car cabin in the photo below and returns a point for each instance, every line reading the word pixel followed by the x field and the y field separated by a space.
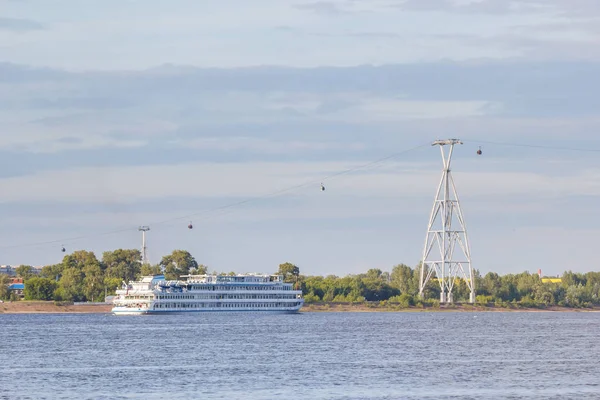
pixel 322 188
pixel 63 249
pixel 190 226
pixel 479 152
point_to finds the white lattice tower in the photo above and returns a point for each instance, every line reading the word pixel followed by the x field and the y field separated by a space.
pixel 447 252
pixel 144 229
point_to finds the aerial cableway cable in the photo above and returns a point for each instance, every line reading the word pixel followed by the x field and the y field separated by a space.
pixel 537 146
pixel 292 188
pixel 211 212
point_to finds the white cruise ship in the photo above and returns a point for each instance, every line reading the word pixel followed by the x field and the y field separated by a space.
pixel 252 292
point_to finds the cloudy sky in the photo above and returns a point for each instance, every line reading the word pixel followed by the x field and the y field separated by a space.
pixel 120 113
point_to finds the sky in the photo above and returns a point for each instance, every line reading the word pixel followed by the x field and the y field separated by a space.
pixel 230 114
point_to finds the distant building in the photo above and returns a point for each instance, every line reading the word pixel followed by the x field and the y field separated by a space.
pixel 551 280
pixel 11 270
pixel 36 269
pixel 8 270
pixel 17 286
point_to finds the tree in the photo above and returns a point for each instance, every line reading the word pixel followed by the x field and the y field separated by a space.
pixel 377 290
pixel 82 277
pixel 374 273
pixel 289 271
pixel 40 289
pixel 404 279
pixel 405 300
pixel 199 270
pixel 112 284
pixel 93 282
pixel 570 278
pixel 52 271
pixel 4 282
pixel 25 271
pixel 148 269
pixel 122 264
pixel 490 285
pixel 179 262
pixel 71 285
pixel 80 259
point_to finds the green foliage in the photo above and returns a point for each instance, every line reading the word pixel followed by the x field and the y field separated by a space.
pixel 52 271
pixel 434 303
pixel 501 304
pixel 404 300
pixel 372 286
pixel 40 289
pixel 311 298
pixel 80 259
pixel 178 263
pixel 82 277
pixel 93 282
pixel 528 301
pixel 4 282
pixel 405 279
pixel 25 271
pixel 201 269
pixel 340 298
pixel 576 295
pixel 122 264
pixel 374 274
pixel 507 291
pixel 112 284
pixel 71 284
pixel 289 271
pixel 148 269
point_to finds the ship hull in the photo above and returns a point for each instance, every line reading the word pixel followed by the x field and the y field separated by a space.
pixel 140 311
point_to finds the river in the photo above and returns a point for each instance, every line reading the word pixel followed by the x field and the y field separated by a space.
pixel 412 355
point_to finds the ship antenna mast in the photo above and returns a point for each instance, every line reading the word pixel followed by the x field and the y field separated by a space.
pixel 443 237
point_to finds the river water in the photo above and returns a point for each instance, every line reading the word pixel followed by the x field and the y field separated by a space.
pixel 303 356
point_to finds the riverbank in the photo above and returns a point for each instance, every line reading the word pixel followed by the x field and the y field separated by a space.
pixel 50 307
pixel 362 307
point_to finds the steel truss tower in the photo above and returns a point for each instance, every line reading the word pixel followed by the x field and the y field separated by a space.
pixel 447 232
pixel 144 229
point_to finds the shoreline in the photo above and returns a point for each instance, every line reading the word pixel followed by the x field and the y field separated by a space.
pixel 341 307
pixel 50 307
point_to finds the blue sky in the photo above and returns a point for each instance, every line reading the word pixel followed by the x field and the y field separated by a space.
pixel 116 114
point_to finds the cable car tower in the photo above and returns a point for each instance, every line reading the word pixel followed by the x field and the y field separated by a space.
pixel 446 233
pixel 144 229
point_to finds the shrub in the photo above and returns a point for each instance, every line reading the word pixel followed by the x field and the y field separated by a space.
pixel 311 298
pixel 528 302
pixel 405 300
pixel 483 300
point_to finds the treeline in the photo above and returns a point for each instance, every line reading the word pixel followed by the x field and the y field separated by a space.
pixel 401 288
pixel 83 277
